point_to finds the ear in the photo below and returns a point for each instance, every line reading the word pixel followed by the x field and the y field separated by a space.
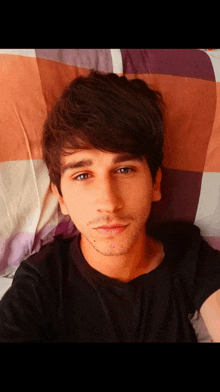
pixel 157 186
pixel 59 198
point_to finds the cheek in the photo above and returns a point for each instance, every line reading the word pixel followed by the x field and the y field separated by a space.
pixel 139 197
pixel 79 206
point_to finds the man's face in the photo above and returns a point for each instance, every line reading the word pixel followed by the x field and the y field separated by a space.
pixel 108 197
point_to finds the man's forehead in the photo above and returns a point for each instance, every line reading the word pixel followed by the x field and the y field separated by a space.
pixel 93 154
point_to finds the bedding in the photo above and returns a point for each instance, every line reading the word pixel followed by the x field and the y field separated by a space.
pixel 32 79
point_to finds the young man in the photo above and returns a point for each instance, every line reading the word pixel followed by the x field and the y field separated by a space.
pixel 118 280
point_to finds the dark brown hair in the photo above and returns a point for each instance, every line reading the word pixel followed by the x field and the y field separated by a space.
pixel 108 113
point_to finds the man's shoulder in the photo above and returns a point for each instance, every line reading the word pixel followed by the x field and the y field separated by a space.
pixel 177 232
pixel 59 247
pixel 50 256
pixel 55 248
pixel 186 236
pixel 190 253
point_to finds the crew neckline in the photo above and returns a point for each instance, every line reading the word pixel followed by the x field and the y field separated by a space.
pixel 92 273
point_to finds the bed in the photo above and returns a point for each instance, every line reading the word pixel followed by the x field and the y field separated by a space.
pixel 32 79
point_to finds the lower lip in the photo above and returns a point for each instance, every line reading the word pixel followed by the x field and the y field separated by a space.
pixel 112 231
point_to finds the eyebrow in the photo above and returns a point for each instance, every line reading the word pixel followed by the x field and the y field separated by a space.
pixel 88 162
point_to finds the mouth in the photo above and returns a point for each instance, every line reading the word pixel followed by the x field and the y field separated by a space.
pixel 110 230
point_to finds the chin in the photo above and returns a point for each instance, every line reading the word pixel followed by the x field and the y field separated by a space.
pixel 112 247
pixel 111 251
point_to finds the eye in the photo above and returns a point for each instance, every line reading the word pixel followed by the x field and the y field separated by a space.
pixel 125 170
pixel 82 177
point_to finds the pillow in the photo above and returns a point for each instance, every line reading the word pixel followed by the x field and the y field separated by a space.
pixel 189 81
pixel 31 81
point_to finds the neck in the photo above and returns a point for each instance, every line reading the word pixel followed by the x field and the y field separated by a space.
pixel 143 257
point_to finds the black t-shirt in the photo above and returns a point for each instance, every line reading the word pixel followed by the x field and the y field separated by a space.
pixel 56 296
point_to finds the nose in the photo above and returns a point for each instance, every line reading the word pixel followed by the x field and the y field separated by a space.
pixel 109 198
